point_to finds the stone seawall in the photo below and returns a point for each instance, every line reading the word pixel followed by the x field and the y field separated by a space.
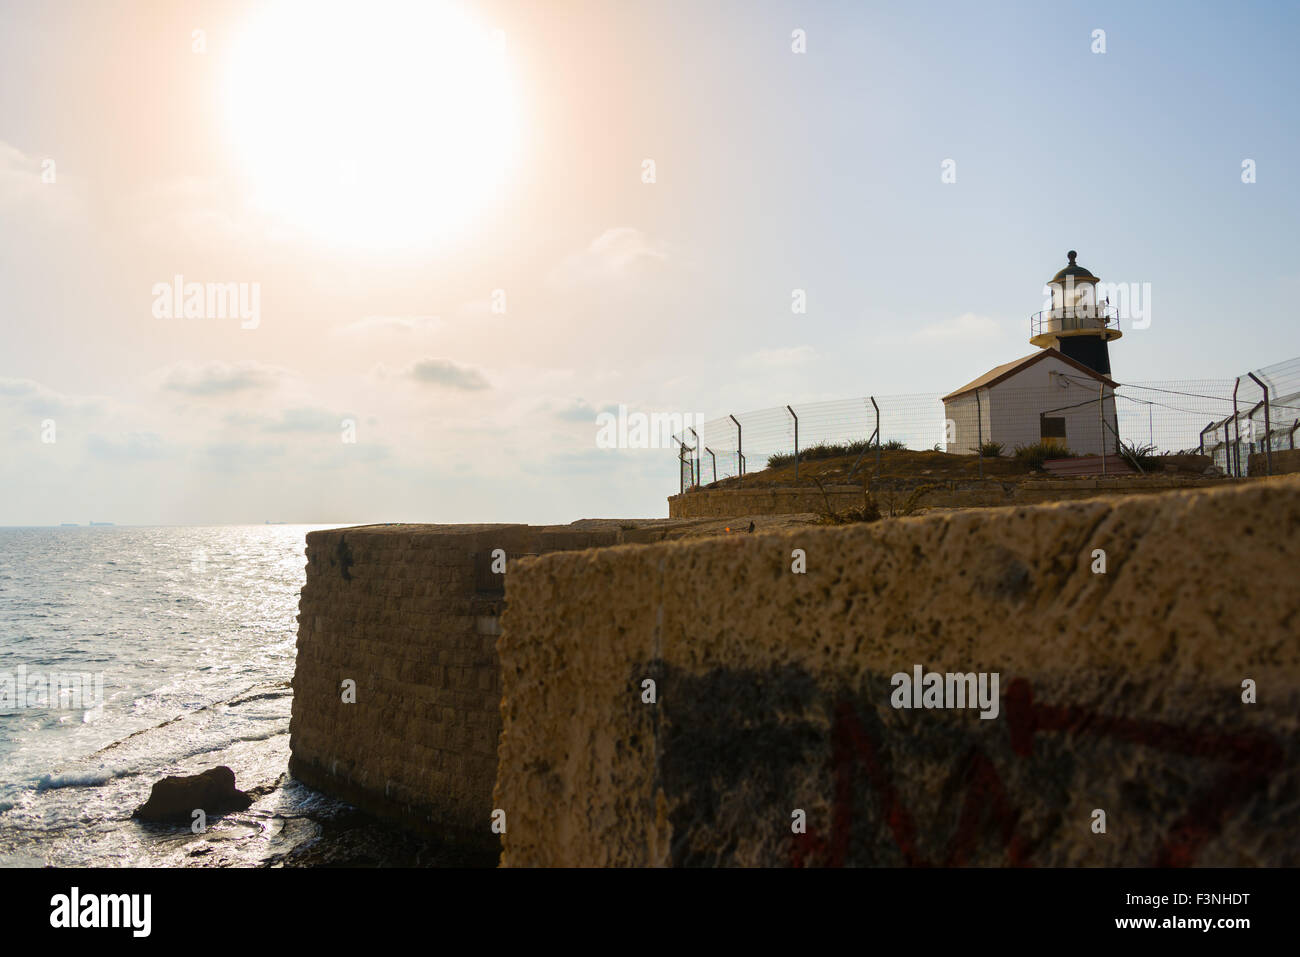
pixel 771 738
pixel 410 614
pixel 989 493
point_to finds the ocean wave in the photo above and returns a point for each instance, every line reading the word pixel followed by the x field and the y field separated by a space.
pixel 154 764
pixel 49 782
pixel 196 710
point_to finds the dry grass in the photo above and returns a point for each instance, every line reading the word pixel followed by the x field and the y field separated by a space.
pixel 927 466
pixel 894 463
pixel 868 511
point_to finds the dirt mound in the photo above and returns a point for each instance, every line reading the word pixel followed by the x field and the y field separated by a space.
pixel 906 466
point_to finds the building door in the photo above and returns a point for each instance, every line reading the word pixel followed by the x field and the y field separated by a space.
pixel 1052 431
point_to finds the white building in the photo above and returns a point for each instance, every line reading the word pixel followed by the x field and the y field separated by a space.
pixel 1044 397
pixel 1062 395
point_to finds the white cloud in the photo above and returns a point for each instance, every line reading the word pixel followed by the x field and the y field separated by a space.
pixel 381 324
pixel 576 410
pixel 20 176
pixel 42 400
pixel 779 358
pixel 22 185
pixel 966 327
pixel 238 456
pixel 306 419
pixel 445 372
pixel 220 378
pixel 620 253
pixel 128 447
pixel 193 207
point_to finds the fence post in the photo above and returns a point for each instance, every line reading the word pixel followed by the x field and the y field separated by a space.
pixel 1268 428
pixel 796 443
pixel 877 408
pixel 740 454
pixel 1101 423
pixel 715 463
pixel 1250 417
pixel 1236 423
pixel 1294 426
pixel 681 482
pixel 695 460
pixel 979 431
pixel 874 435
pixel 1203 431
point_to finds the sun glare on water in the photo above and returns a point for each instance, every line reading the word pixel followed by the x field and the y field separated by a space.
pixel 386 123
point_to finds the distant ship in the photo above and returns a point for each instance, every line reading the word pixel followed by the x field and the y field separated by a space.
pixel 101 523
pixel 69 525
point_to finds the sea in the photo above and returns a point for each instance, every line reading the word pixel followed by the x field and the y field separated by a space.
pixel 128 654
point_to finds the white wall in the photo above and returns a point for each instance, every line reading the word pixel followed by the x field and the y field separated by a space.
pixel 962 411
pixel 1012 410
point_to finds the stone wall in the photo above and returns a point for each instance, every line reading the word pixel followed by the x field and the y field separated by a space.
pixel 727 502
pixel 1119 692
pixel 1285 462
pixel 411 614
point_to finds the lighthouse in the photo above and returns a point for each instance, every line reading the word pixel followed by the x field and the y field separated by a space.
pixel 1061 395
pixel 1079 325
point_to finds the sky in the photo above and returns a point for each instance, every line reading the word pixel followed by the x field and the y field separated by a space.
pixel 464 230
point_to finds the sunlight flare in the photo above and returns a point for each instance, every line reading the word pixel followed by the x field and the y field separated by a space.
pixel 392 128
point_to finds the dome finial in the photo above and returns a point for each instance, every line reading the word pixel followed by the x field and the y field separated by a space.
pixel 1072 255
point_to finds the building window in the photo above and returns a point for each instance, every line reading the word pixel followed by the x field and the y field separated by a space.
pixel 1053 427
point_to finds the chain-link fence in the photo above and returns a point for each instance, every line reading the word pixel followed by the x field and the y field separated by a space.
pixel 1262 416
pixel 1226 419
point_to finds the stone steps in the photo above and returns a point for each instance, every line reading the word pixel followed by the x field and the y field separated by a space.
pixel 1089 465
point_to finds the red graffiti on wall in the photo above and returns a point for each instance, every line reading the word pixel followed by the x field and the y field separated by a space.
pixel 1250 759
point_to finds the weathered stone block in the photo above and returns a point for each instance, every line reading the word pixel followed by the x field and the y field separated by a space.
pixel 1120 692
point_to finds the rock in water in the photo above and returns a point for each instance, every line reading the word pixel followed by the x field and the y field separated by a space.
pixel 177 798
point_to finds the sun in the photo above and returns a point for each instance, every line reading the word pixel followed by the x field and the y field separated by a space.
pixel 384 123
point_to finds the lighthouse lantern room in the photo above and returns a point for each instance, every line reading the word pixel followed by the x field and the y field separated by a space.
pixel 1079 324
pixel 1061 396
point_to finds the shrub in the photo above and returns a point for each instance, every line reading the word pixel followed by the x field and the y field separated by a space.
pixel 1035 454
pixel 991 449
pixel 825 450
pixel 868 511
pixel 822 450
pixel 895 445
pixel 1144 456
pixel 913 500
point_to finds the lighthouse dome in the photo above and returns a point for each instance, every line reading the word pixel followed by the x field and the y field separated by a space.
pixel 1073 269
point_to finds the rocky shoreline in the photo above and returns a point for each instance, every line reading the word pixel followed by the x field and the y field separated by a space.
pixel 322 833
